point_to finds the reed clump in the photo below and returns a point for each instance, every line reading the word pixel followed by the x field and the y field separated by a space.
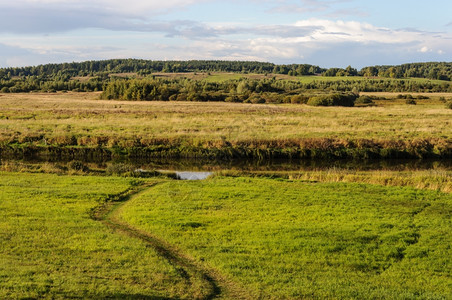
pixel 308 148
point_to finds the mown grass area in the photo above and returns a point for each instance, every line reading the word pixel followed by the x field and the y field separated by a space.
pixel 294 239
pixel 224 76
pixel 50 247
pixel 309 79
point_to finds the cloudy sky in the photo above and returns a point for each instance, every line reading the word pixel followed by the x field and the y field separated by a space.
pixel 328 33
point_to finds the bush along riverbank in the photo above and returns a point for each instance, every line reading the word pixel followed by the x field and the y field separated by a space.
pixel 310 148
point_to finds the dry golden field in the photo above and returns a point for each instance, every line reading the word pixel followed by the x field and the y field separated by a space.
pixel 55 117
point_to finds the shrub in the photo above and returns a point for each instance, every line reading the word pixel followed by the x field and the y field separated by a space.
pixel 408 96
pixel 232 98
pixel 273 98
pixel 181 97
pixel 422 97
pixel 299 99
pixel 410 101
pixel 364 100
pixel 256 98
pixel 120 169
pixel 78 166
pixel 333 100
pixel 449 104
pixel 318 101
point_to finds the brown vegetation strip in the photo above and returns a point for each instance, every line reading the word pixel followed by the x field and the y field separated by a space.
pixel 308 148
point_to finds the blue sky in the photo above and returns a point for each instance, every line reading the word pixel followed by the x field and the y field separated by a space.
pixel 328 33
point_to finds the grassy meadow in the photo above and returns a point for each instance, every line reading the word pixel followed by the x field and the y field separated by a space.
pixel 51 248
pixel 81 119
pixel 256 237
pixel 70 229
pixel 291 239
pixel 224 76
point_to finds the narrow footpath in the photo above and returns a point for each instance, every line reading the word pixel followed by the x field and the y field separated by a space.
pixel 214 284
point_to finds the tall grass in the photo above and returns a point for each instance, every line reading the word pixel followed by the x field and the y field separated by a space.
pixel 36 121
pixel 434 179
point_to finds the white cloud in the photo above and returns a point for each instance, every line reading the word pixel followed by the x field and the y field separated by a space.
pixel 352 31
pixel 330 8
pixel 284 6
pixel 49 16
pixel 319 41
pixel 130 7
pixel 337 32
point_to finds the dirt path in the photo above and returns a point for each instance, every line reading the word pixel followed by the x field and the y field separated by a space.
pixel 214 285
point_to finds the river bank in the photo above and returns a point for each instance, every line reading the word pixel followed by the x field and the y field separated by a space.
pixel 317 149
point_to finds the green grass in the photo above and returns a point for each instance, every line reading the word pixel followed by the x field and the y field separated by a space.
pixel 221 77
pixel 309 79
pixel 438 179
pixel 295 239
pixel 224 76
pixel 264 238
pixel 50 247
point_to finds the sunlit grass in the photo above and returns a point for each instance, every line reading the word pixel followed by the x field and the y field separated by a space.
pixel 42 118
pixel 433 179
pixel 294 239
pixel 50 247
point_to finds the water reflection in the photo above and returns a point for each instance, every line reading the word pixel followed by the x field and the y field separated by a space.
pixel 193 175
pixel 200 168
pixel 297 165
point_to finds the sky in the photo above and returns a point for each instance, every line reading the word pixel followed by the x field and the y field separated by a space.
pixel 327 33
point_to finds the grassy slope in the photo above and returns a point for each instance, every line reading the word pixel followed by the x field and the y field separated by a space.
pixel 293 239
pixel 221 77
pixel 29 117
pixel 51 248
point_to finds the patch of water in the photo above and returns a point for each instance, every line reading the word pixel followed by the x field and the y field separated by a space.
pixel 188 175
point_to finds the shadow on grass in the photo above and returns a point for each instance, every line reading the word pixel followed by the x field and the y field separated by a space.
pixel 112 296
pixel 130 296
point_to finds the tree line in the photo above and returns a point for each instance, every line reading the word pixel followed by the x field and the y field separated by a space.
pixel 144 67
pixel 245 90
pixel 99 75
pixel 430 70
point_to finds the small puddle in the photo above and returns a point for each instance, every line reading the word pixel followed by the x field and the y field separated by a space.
pixel 187 175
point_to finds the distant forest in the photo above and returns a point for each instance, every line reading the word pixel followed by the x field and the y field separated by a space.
pixel 99 76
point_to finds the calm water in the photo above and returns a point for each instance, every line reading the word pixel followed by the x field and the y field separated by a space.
pixel 190 175
pixel 194 169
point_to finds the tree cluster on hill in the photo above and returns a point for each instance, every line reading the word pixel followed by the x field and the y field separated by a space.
pixel 244 90
pixel 145 67
pixel 98 75
pixel 430 70
pixel 254 90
